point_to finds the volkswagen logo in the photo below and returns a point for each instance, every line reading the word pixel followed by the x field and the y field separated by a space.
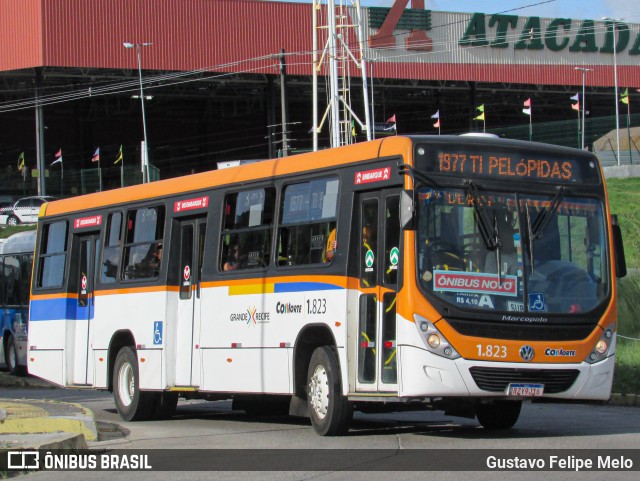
pixel 527 353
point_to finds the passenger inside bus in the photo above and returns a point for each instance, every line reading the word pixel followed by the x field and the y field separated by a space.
pixel 233 258
pixel 331 247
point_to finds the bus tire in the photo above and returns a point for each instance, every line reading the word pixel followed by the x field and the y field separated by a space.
pixel 132 403
pixel 11 357
pixel 498 414
pixel 166 404
pixel 330 412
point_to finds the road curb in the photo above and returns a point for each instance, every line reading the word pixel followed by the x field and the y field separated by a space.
pixel 41 417
pixel 619 399
pixel 28 442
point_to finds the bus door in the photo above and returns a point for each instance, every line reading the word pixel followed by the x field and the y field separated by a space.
pixel 379 262
pixel 86 247
pixel 191 253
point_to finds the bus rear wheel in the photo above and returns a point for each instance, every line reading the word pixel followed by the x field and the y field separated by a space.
pixel 329 410
pixel 498 414
pixel 11 357
pixel 132 403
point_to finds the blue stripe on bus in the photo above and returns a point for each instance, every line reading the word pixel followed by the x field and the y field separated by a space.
pixel 54 309
pixel 304 286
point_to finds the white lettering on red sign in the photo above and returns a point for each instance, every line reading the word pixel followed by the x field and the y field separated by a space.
pixel 375 175
pixel 84 282
pixel 187 273
pixel 448 281
pixel 191 204
pixel 94 220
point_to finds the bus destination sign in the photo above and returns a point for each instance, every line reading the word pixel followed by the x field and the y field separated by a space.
pixel 508 165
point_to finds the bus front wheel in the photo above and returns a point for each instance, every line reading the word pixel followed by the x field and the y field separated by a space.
pixel 498 414
pixel 132 404
pixel 329 410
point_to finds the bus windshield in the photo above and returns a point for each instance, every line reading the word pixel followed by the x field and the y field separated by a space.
pixel 484 250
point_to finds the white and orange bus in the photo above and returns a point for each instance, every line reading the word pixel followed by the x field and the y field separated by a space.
pixel 461 273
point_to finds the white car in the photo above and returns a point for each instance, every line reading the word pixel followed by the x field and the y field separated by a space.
pixel 23 211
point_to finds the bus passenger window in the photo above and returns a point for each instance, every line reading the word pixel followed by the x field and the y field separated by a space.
pixel 52 259
pixel 308 226
pixel 143 242
pixel 111 253
pixel 246 239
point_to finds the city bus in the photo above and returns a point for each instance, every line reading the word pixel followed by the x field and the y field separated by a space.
pixel 459 273
pixel 16 259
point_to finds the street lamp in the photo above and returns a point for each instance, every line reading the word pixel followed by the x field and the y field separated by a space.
pixel 615 78
pixel 144 158
pixel 584 71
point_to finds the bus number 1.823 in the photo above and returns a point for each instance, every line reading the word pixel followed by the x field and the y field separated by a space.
pixel 316 306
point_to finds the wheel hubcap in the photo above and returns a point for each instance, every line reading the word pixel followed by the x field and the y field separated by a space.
pixel 319 392
pixel 126 384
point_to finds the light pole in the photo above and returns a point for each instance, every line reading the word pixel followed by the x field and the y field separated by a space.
pixel 144 158
pixel 584 71
pixel 615 79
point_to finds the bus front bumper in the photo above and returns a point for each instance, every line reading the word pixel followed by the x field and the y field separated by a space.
pixel 424 374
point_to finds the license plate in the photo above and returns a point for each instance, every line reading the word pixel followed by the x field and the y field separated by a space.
pixel 525 390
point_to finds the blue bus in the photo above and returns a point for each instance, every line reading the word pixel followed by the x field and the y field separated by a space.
pixel 16 260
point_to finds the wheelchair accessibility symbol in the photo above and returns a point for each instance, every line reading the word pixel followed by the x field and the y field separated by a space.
pixel 536 302
pixel 157 332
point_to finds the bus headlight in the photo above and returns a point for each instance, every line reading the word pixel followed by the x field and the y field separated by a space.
pixel 433 339
pixel 603 346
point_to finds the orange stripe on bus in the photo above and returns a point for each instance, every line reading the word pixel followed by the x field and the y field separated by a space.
pixel 207 180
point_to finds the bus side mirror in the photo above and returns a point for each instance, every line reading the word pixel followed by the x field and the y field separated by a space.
pixel 407 210
pixel 618 248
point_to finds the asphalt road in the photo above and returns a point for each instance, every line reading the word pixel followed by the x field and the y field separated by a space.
pixel 213 425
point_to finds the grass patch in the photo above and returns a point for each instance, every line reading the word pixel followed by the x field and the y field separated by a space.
pixel 626 379
pixel 624 198
pixel 8 230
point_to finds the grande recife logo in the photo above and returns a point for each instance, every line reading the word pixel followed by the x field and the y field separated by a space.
pixel 449 281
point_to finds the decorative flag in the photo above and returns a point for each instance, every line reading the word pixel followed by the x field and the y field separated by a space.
pixel 576 98
pixel 58 158
pixel 96 155
pixel 119 158
pixel 527 103
pixel 436 115
pixel 21 161
pixel 624 97
pixel 392 120
pixel 437 124
pixel 480 108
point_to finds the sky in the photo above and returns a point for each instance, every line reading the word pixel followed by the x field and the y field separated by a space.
pixel 626 10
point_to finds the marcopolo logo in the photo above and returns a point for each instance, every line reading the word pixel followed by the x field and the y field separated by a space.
pixel 288 308
pixel 559 352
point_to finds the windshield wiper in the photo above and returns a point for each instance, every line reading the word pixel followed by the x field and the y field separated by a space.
pixel 536 231
pixel 491 237
pixel 543 219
